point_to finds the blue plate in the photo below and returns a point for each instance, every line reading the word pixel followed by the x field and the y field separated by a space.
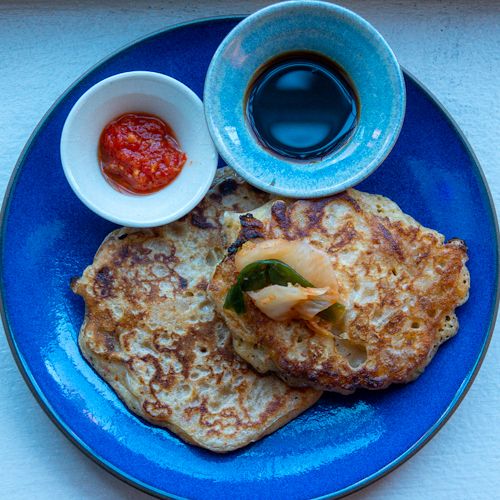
pixel 338 446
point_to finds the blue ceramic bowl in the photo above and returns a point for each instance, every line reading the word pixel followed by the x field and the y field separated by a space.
pixel 342 36
pixel 336 447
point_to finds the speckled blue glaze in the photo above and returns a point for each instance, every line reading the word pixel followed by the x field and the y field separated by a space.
pixel 345 38
pixel 341 443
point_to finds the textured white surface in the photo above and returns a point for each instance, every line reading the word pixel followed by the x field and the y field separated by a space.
pixel 453 47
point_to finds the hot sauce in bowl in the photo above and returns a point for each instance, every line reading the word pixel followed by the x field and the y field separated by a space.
pixel 139 153
pixel 136 150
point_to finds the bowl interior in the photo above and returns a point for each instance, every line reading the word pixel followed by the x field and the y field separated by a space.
pixel 140 92
pixel 348 40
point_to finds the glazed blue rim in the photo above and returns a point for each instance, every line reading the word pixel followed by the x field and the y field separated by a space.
pixel 127 478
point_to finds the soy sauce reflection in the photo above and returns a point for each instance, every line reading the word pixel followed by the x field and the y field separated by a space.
pixel 301 106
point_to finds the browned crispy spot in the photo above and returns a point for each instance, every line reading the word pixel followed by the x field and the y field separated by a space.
pixel 123 254
pixel 458 243
pixel 199 220
pixel 228 186
pixel 157 410
pixel 103 285
pixel 109 340
pixel 73 283
pixel 280 216
pixel 202 285
pixel 169 259
pixel 315 213
pixel 383 236
pixel 215 197
pixel 139 254
pixel 343 237
pixel 422 256
pixel 251 228
pixel 311 213
pixel 350 200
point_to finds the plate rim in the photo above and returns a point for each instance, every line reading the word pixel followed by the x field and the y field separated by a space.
pixel 122 475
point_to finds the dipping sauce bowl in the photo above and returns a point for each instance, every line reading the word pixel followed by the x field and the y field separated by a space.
pixel 362 59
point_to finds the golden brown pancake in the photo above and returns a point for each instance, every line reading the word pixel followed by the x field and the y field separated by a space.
pixel 152 334
pixel 399 281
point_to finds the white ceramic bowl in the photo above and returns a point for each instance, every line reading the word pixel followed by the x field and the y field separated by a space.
pixel 139 92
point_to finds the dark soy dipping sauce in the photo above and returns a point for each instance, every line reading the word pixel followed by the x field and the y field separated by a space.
pixel 301 106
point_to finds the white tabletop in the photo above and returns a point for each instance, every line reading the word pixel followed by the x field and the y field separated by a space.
pixel 453 47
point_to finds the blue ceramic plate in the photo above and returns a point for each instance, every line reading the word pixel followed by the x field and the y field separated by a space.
pixel 341 444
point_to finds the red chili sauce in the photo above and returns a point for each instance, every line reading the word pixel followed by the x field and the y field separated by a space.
pixel 139 153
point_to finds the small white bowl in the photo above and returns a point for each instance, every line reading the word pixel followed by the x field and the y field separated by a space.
pixel 138 92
